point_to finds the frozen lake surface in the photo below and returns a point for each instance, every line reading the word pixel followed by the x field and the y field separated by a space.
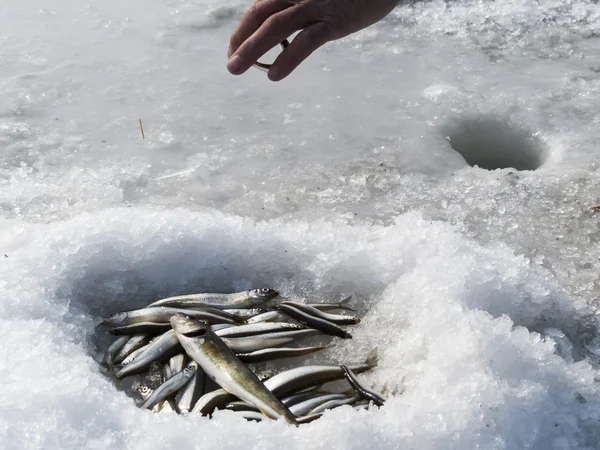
pixel 478 287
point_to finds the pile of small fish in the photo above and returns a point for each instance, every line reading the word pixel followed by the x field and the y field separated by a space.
pixel 191 340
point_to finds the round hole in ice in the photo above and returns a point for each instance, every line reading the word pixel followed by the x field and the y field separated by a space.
pixel 491 143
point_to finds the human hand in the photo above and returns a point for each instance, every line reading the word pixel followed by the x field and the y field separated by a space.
pixel 269 22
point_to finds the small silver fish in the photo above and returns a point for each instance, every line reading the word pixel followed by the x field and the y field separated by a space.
pixel 257 328
pixel 190 393
pixel 363 391
pixel 114 349
pixel 266 67
pixel 269 354
pixel 163 314
pixel 222 366
pixel 220 397
pixel 146 392
pixel 314 322
pixel 171 386
pixel 133 355
pixel 135 342
pixel 236 300
pixel 158 349
pixel 337 319
pixel 250 344
pixel 298 378
pixel 211 401
pixel 269 316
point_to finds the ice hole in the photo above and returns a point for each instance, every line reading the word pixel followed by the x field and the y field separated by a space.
pixel 491 143
pixel 114 281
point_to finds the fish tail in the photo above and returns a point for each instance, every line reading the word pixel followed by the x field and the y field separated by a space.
pixel 372 358
pixel 344 304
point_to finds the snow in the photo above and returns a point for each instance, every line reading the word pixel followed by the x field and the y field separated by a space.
pixel 478 287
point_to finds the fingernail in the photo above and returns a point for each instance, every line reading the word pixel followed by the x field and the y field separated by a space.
pixel 274 74
pixel 234 65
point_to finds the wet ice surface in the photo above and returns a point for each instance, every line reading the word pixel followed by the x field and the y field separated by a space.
pixel 478 287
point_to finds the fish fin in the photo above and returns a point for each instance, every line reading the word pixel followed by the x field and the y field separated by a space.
pixel 344 304
pixel 384 388
pixel 173 404
pixel 372 358
pixel 399 388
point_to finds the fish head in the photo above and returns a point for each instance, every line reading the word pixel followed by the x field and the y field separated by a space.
pixel 145 391
pixel 191 368
pixel 263 294
pixel 265 375
pixel 116 319
pixel 186 326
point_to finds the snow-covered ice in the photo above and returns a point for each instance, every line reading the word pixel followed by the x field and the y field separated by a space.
pixel 478 287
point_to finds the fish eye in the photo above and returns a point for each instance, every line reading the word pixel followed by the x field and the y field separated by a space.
pixel 265 290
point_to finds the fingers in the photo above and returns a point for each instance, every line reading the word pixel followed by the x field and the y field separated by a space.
pixel 253 19
pixel 274 29
pixel 300 48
